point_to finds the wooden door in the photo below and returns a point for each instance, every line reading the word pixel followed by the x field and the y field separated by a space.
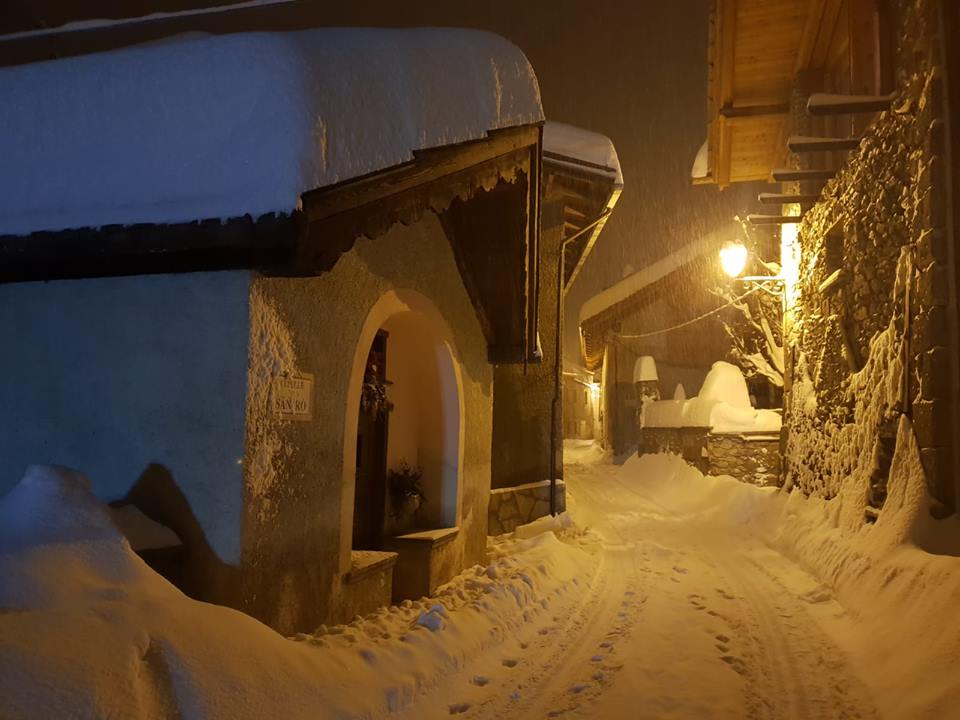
pixel 369 501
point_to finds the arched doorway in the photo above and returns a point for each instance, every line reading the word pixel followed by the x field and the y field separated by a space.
pixel 405 424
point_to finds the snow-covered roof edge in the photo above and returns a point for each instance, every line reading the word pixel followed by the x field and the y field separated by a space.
pixel 232 125
pixel 634 283
pixel 584 149
pixel 101 23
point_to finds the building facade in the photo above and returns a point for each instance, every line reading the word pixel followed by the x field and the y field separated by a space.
pixel 860 117
pixel 304 396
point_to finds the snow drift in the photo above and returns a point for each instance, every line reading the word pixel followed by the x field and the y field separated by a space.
pixel 898 580
pixel 723 405
pixel 88 630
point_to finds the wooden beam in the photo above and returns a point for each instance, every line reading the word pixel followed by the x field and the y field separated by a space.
pixel 755 219
pixel 427 166
pixel 727 32
pixel 264 244
pixel 821 104
pixel 788 175
pixel 765 198
pixel 804 144
pixel 755 111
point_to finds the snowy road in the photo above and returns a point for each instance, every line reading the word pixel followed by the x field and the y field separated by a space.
pixel 685 616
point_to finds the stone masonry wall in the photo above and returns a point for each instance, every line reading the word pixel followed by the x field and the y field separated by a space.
pixel 870 337
pixel 753 458
pixel 510 507
pixel 750 458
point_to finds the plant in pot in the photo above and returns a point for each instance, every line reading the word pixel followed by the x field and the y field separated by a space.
pixel 406 492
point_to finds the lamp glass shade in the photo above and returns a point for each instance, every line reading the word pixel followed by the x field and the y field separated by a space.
pixel 733 258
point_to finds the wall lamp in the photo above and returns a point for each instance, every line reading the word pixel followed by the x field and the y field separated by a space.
pixel 733 260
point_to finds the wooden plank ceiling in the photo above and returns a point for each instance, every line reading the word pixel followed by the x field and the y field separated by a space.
pixel 757 47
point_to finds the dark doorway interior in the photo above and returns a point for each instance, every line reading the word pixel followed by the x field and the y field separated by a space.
pixel 369 502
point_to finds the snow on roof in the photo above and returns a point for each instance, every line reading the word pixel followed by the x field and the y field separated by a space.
pixel 100 23
pixel 230 125
pixel 647 276
pixel 701 163
pixel 582 146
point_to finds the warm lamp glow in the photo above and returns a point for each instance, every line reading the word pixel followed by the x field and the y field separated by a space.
pixel 733 258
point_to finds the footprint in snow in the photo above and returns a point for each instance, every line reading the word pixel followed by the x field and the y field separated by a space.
pixel 735 663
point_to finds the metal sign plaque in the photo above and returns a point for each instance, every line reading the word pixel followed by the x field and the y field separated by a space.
pixel 293 397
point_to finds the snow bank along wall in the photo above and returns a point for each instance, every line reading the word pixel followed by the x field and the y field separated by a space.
pixel 870 324
pixel 141 382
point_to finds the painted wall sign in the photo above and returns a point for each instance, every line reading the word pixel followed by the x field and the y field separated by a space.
pixel 293 397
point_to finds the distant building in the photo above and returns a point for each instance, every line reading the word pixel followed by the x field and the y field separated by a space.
pixel 249 279
pixel 625 323
pixel 852 106
pixel 581 406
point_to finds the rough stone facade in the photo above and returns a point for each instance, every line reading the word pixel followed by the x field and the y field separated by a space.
pixel 749 457
pixel 510 507
pixel 657 440
pixel 870 334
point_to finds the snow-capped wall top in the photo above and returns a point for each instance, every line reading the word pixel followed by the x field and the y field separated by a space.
pixel 576 143
pixel 223 126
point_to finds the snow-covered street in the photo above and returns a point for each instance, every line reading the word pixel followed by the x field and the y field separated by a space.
pixel 660 594
pixel 685 616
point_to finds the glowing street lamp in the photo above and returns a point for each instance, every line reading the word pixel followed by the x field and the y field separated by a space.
pixel 733 258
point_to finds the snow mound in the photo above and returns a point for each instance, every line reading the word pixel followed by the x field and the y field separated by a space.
pixel 88 630
pixel 547 523
pixel 224 126
pixel 723 406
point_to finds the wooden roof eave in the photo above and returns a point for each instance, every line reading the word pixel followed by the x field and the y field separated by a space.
pixel 587 193
pixel 739 112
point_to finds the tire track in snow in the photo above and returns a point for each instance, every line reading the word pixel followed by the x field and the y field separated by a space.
pixel 806 674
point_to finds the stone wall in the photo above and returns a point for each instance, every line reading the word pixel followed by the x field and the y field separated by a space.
pixel 510 507
pixel 868 337
pixel 688 442
pixel 749 457
pixel 659 440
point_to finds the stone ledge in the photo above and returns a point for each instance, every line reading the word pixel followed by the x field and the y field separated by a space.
pixel 437 536
pixel 364 563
